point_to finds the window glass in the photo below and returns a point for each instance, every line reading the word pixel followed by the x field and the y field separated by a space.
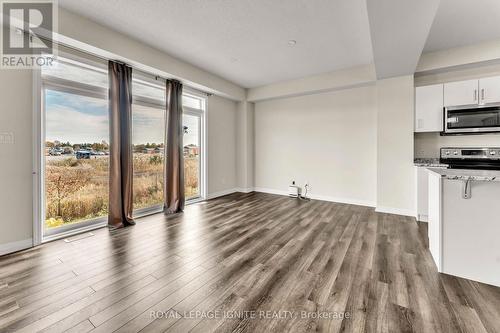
pixel 191 155
pixel 77 144
pixel 76 158
pixel 81 73
pixel 148 133
pixel 191 101
pixel 142 89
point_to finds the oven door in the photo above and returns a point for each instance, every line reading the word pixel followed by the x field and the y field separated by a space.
pixel 471 120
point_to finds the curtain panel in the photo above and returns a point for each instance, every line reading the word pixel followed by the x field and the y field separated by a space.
pixel 120 152
pixel 174 150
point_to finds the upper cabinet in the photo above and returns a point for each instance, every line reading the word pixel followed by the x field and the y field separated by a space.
pixel 489 90
pixel 461 93
pixel 430 100
pixel 429 108
pixel 472 92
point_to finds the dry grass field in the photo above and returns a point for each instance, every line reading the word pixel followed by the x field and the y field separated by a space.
pixel 77 190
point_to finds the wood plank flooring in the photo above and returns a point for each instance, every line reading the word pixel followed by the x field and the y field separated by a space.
pixel 244 263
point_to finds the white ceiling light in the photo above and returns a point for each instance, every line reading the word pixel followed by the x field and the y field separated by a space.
pixel 292 42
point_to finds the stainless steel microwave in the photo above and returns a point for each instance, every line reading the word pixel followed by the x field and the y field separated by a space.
pixel 467 119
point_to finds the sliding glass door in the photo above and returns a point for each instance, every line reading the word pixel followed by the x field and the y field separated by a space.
pixel 74 147
pixel 148 137
pixel 192 154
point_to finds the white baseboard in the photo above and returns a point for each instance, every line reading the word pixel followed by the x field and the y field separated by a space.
pixel 422 218
pixel 244 190
pixel 221 193
pixel 270 191
pixel 321 197
pixel 15 246
pixel 396 211
pixel 349 201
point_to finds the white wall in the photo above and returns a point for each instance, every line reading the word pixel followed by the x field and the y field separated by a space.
pixel 221 145
pixel 484 52
pixel 395 170
pixel 245 152
pixel 428 144
pixel 83 33
pixel 16 159
pixel 337 80
pixel 16 95
pixel 326 139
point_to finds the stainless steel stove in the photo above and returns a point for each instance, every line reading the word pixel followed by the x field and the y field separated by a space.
pixel 471 158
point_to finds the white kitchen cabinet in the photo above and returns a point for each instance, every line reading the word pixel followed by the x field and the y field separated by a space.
pixel 461 93
pixel 463 233
pixel 489 90
pixel 422 175
pixel 422 194
pixel 429 108
pixel 434 228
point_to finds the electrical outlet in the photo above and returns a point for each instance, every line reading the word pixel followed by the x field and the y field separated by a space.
pixel 7 138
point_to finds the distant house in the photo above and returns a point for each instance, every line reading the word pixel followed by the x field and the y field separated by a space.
pixel 191 150
pixel 68 150
pixel 148 151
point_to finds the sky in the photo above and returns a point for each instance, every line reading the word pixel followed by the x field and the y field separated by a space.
pixel 81 119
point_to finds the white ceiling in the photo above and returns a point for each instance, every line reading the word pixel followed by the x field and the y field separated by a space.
pixel 464 22
pixel 399 30
pixel 244 41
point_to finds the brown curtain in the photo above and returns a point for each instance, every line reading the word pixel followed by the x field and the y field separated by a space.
pixel 174 151
pixel 120 151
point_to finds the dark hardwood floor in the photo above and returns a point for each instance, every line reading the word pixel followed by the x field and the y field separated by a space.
pixel 273 263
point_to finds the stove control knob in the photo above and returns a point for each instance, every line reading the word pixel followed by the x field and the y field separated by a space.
pixel 455 153
pixel 492 153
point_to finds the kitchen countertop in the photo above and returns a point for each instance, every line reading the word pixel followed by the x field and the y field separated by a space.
pixel 429 163
pixel 464 174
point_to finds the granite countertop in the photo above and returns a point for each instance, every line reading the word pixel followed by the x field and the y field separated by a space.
pixel 464 174
pixel 429 162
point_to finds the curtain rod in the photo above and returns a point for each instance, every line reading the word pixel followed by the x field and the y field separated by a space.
pixel 156 76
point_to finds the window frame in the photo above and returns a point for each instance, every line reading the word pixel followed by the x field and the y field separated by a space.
pixel 201 113
pixel 201 169
pixel 41 83
pixel 83 225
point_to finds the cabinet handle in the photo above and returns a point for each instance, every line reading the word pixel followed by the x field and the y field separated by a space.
pixel 475 95
pixel 482 94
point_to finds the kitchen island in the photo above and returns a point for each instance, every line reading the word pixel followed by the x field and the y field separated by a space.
pixel 464 223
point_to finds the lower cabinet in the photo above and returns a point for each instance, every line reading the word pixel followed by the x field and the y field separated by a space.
pixel 422 194
pixel 422 176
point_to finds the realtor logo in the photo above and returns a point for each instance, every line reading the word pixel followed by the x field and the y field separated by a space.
pixel 27 33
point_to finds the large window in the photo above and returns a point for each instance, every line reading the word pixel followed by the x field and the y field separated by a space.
pixel 148 137
pixel 192 145
pixel 76 161
pixel 75 144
